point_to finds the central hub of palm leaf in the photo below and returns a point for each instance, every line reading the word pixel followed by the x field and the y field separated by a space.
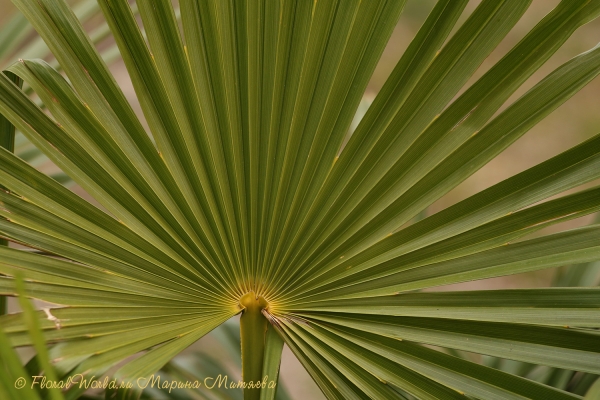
pixel 251 303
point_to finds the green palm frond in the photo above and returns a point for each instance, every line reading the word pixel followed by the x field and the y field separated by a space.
pixel 16 381
pixel 573 381
pixel 16 41
pixel 244 197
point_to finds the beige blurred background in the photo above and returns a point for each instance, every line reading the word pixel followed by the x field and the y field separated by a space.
pixel 576 120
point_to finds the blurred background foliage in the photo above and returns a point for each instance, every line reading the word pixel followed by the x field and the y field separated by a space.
pixel 575 121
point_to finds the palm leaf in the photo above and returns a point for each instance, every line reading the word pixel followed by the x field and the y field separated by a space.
pixel 244 196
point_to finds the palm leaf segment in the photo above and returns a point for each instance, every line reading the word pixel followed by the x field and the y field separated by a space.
pixel 239 198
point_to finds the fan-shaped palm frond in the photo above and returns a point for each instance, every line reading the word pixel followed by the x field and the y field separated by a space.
pixel 241 198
